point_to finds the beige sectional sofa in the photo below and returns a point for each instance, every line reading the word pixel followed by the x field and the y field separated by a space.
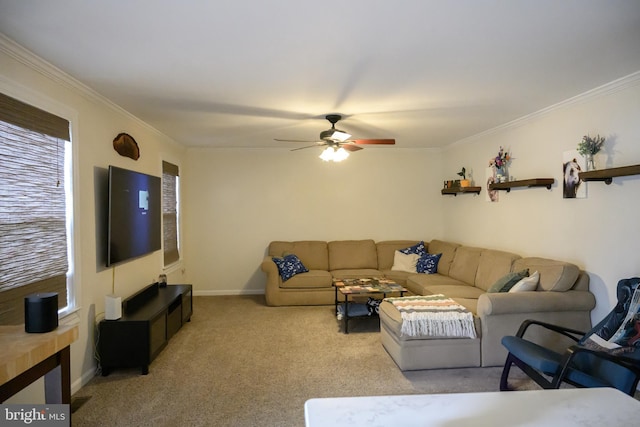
pixel 464 274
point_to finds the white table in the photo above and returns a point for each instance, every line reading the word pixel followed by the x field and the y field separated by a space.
pixel 564 407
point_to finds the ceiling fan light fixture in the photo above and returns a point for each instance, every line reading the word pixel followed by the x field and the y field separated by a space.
pixel 331 154
pixel 327 154
pixel 340 155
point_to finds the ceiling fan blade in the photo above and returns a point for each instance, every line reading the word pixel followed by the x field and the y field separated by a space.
pixel 308 146
pixel 374 141
pixel 296 140
pixel 350 147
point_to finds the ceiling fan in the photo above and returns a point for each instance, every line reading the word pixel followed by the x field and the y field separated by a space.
pixel 337 141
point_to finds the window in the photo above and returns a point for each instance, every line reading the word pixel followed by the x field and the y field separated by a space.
pixel 35 206
pixel 170 213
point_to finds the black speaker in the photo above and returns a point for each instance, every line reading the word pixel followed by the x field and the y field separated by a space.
pixel 41 312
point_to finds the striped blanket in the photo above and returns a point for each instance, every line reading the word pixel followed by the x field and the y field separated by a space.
pixel 435 316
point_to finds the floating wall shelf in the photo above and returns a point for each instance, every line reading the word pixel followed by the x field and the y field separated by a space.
pixel 463 190
pixel 536 182
pixel 607 175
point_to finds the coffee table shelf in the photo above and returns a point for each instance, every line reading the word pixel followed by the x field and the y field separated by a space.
pixel 366 286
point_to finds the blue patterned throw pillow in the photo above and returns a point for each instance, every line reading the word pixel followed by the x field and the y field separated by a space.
pixel 418 249
pixel 428 263
pixel 289 266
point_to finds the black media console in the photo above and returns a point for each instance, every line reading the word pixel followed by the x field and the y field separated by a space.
pixel 150 318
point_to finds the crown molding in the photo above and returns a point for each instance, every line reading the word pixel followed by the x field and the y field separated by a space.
pixel 53 73
pixel 606 89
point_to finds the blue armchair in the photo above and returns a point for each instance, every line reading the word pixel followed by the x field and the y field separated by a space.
pixel 606 356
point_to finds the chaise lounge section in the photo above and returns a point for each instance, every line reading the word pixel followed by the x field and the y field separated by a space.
pixel 466 274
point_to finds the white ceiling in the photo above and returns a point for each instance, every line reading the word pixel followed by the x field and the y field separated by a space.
pixel 234 73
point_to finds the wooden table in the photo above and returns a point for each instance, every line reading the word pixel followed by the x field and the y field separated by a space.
pixel 25 357
pixel 564 407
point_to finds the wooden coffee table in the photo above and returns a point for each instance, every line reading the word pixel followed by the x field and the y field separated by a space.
pixel 373 286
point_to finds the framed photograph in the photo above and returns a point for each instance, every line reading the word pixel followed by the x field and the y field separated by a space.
pixel 572 164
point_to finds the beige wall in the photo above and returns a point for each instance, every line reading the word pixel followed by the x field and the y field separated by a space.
pixel 600 233
pixel 95 123
pixel 236 201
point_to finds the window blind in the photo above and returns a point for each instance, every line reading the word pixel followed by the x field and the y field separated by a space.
pixel 33 233
pixel 29 117
pixel 170 212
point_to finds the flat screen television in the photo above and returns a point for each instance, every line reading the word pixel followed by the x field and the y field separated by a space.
pixel 135 215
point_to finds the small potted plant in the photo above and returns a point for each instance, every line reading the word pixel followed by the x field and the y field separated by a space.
pixel 464 182
pixel 588 147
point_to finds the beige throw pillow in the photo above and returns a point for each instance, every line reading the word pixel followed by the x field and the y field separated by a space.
pixel 405 262
pixel 527 284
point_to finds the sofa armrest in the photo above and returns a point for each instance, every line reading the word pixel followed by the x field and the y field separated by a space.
pixel 502 314
pixel 274 281
pixel 534 302
pixel 268 266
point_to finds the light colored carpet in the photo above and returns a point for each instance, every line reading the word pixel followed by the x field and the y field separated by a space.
pixel 241 363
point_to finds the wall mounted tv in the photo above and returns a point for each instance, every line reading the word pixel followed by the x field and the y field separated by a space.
pixel 135 215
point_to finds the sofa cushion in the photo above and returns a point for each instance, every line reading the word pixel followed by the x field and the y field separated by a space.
pixel 350 254
pixel 555 275
pixel 405 262
pixel 428 263
pixel 447 249
pixel 418 283
pixel 399 277
pixel 455 291
pixel 312 253
pixel 313 279
pixel 506 282
pixel 289 266
pixel 526 284
pixel 356 273
pixel 492 266
pixel 386 251
pixel 465 264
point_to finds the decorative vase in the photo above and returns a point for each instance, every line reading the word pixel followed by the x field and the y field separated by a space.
pixel 501 174
pixel 590 163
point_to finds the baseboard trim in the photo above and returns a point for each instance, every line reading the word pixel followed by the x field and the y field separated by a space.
pixel 84 379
